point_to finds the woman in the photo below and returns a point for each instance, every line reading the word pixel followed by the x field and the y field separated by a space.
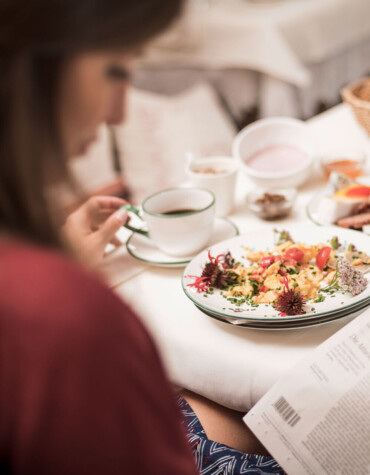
pixel 82 389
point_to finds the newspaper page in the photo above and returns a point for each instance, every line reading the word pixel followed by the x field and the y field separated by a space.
pixel 316 419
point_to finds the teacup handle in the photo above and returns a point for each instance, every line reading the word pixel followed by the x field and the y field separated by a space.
pixel 134 210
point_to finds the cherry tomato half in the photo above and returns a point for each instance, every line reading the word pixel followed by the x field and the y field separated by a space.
pixel 295 254
pixel 323 257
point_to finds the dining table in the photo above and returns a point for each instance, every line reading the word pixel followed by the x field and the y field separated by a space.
pixel 231 365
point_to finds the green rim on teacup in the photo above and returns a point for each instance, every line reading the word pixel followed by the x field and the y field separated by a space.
pixel 176 215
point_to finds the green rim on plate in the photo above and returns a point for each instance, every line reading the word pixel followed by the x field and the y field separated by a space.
pixel 287 323
pixel 296 318
pixel 298 325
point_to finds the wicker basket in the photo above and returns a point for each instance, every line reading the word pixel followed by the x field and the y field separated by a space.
pixel 357 95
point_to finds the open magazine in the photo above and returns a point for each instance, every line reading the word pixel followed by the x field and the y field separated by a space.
pixel 316 419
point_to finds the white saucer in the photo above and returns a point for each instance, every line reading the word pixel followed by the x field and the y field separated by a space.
pixel 143 249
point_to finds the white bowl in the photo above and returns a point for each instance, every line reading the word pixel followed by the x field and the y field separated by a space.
pixel 271 132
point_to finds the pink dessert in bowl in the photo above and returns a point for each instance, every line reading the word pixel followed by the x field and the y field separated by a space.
pixel 275 152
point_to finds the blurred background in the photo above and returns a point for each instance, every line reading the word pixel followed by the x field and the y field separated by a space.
pixel 224 64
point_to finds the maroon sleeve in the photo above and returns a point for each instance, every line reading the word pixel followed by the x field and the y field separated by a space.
pixel 82 390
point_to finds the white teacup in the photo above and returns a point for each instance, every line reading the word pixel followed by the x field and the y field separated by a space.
pixel 179 220
pixel 218 175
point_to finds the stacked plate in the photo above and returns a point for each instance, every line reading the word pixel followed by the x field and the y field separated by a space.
pixel 334 306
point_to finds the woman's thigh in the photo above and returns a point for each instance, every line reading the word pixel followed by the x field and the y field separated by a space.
pixel 224 425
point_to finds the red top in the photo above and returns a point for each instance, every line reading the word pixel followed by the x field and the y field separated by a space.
pixel 82 390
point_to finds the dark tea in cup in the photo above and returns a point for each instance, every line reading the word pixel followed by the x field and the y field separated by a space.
pixel 180 211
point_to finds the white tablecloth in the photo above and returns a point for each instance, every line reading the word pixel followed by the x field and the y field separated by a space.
pixel 234 366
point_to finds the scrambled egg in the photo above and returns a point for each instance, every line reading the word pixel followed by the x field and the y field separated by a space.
pixel 268 269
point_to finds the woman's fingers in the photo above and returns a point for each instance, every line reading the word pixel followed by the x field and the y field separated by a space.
pixel 109 202
pixel 115 241
pixel 94 225
pixel 108 229
pixel 101 207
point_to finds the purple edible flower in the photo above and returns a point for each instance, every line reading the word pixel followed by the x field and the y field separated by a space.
pixel 349 278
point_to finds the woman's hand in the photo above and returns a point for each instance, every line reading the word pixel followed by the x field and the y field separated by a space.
pixel 92 226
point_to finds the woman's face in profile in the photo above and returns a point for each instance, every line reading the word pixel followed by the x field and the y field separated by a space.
pixel 93 90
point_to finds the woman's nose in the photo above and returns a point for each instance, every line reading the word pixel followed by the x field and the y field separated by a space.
pixel 116 105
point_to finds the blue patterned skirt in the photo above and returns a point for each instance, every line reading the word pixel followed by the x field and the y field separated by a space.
pixel 213 458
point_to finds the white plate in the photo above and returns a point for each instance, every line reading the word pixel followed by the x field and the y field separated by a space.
pixel 261 240
pixel 289 325
pixel 143 249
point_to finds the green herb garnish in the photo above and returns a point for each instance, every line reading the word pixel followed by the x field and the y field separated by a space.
pixel 334 242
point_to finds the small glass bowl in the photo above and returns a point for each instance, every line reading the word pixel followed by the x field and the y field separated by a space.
pixel 271 204
pixel 347 162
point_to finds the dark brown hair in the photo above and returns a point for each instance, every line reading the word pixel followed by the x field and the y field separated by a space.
pixel 36 37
